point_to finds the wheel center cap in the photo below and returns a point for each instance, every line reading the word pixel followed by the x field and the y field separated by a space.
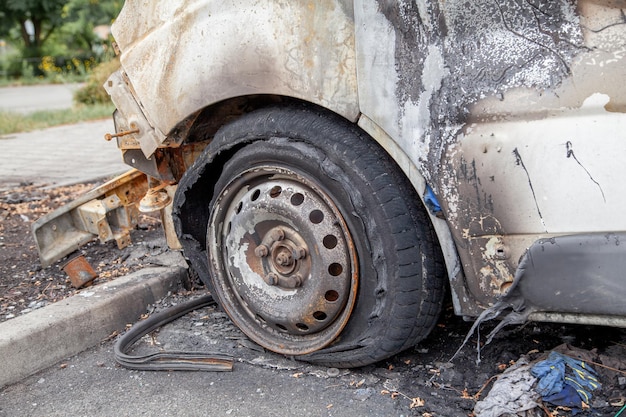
pixel 282 258
pixel 285 254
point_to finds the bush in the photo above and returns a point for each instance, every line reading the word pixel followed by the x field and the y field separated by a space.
pixel 14 68
pixel 93 92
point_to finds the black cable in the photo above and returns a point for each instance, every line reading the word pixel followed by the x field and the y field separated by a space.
pixel 172 360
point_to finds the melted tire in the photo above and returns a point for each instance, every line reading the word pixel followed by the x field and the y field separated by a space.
pixel 401 274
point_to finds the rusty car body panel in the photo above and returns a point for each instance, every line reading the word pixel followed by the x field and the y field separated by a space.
pixel 285 49
pixel 512 113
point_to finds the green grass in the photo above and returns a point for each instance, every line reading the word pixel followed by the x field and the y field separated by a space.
pixel 12 122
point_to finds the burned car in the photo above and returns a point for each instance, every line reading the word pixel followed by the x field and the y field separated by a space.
pixel 331 168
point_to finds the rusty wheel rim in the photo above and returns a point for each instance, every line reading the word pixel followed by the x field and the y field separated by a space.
pixel 284 263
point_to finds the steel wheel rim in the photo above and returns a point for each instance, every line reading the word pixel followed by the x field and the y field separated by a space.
pixel 284 263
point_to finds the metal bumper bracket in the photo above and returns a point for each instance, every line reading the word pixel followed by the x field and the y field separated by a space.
pixel 108 212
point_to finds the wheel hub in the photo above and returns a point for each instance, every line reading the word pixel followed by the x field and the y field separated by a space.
pixel 288 272
pixel 287 262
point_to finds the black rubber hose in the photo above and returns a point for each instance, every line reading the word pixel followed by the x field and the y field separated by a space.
pixel 172 360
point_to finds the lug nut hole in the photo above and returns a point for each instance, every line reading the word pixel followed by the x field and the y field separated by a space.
pixel 335 269
pixel 331 296
pixel 297 199
pixel 316 216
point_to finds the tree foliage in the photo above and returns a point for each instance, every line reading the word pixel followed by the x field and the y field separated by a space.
pixel 42 17
pixel 37 20
pixel 82 16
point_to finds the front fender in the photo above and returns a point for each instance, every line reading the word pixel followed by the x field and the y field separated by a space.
pixel 183 55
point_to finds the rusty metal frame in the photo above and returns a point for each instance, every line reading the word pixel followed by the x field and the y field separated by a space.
pixel 107 212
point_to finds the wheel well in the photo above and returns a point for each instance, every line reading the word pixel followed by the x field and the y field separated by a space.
pixel 191 217
pixel 195 190
pixel 210 119
pixel 205 125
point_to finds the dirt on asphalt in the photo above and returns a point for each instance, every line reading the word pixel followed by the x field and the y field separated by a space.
pixel 24 284
pixel 422 381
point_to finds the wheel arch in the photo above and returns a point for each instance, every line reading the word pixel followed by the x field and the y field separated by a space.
pixel 195 189
pixel 281 51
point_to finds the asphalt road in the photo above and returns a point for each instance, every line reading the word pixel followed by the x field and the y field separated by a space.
pixel 260 385
pixel 25 99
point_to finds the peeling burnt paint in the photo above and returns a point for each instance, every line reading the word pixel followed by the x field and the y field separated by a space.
pixel 486 47
pixel 462 68
pixel 190 53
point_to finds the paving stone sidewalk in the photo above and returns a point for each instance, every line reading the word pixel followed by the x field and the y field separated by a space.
pixel 60 155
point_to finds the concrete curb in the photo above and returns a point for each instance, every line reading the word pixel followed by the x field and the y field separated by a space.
pixel 45 336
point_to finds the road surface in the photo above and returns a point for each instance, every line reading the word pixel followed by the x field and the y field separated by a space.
pixel 26 99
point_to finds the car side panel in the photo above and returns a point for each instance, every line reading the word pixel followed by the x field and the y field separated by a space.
pixel 512 111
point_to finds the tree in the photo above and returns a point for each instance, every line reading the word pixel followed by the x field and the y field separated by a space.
pixel 83 15
pixel 61 31
pixel 37 20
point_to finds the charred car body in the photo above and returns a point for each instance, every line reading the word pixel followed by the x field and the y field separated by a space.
pixel 333 165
